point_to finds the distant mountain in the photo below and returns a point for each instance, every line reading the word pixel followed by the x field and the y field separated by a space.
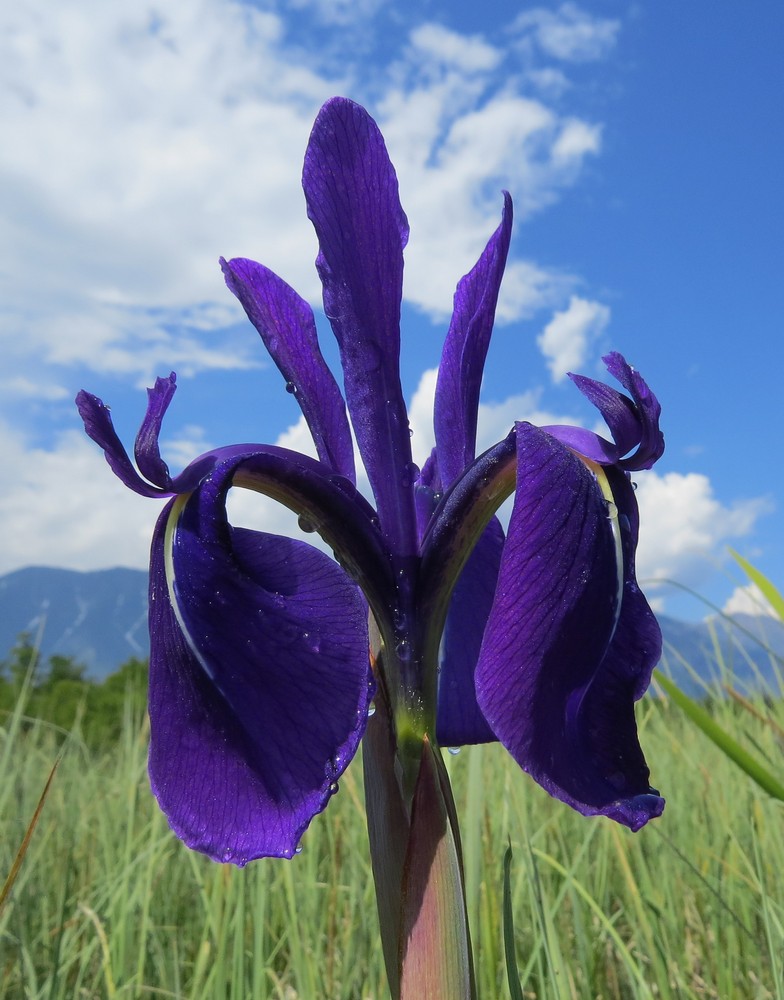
pixel 100 619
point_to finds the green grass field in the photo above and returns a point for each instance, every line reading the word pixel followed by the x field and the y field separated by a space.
pixel 109 904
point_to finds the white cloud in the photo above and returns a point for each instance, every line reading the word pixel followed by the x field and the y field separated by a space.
pixel 494 421
pixel 21 387
pixel 145 143
pixel 576 139
pixel 569 33
pixel 63 507
pixel 748 600
pixel 566 339
pixel 684 528
pixel 339 12
pixel 471 54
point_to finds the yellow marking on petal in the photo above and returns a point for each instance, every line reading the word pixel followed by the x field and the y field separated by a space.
pixel 612 515
pixel 168 562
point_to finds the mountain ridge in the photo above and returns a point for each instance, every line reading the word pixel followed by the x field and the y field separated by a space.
pixel 99 618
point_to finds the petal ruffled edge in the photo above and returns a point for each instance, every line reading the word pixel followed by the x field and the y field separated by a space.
pixel 633 423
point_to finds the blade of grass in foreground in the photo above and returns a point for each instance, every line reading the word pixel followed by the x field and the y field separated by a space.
pixel 726 743
pixel 512 974
pixel 5 892
pixel 771 594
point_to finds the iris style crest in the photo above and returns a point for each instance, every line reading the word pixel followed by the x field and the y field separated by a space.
pixel 260 678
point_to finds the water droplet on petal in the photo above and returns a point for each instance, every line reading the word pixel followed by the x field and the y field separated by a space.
pixel 403 650
pixel 290 387
pixel 333 788
pixel 344 484
pixel 371 709
pixel 305 524
pixel 454 751
pixel 298 849
pixel 612 510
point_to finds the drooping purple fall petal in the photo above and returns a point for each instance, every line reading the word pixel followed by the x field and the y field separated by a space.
pixel 260 630
pixel 547 640
pixel 287 327
pixel 352 196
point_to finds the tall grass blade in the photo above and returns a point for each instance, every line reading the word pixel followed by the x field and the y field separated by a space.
pixel 771 594
pixel 5 892
pixel 512 972
pixel 723 740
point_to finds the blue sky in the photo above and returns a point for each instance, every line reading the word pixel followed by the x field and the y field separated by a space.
pixel 641 144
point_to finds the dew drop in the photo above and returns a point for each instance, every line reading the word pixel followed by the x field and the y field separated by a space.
pixel 333 788
pixel 344 485
pixel 371 710
pixel 290 387
pixel 403 650
pixel 305 525
pixel 410 475
pixel 227 854
pixel 298 849
pixel 612 510
pixel 454 751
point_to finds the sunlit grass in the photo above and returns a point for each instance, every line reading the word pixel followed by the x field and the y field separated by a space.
pixel 109 904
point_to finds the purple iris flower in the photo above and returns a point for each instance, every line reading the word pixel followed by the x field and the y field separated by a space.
pixel 260 678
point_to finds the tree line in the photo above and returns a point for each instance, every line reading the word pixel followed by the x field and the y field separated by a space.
pixel 57 692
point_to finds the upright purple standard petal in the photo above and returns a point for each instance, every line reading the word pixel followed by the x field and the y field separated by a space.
pixel 543 670
pixel 465 350
pixel 252 636
pixel 352 196
pixel 285 322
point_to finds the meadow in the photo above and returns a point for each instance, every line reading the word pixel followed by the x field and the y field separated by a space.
pixel 108 904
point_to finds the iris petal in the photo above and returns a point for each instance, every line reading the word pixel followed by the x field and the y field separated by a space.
pixel 465 350
pixel 547 661
pixel 287 327
pixel 263 629
pixel 146 450
pixel 98 425
pixel 460 720
pixel 634 423
pixel 352 196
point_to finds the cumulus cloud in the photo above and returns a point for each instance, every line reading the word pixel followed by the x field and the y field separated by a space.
pixel 568 33
pixel 494 421
pixel 748 600
pixel 177 134
pixel 685 528
pixel 65 508
pixel 566 339
pixel 471 54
